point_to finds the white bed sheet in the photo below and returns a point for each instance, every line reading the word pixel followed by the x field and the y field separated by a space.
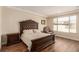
pixel 26 38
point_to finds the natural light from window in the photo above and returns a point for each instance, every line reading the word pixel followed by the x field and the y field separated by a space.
pixel 65 24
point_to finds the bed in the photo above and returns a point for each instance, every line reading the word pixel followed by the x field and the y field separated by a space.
pixel 39 42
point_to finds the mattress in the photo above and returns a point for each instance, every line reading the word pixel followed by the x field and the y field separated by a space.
pixel 26 38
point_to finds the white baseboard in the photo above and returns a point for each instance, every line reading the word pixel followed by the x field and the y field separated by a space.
pixel 67 37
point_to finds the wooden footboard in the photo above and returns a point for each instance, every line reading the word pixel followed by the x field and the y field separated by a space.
pixel 42 43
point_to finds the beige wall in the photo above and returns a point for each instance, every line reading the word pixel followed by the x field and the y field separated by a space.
pixel 11 18
pixel 0 27
pixel 50 23
pixel 74 36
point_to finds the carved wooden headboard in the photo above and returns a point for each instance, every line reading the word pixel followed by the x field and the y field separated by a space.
pixel 28 24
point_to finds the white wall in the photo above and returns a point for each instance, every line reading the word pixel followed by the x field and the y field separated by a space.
pixel 74 36
pixel 0 27
pixel 12 17
pixel 50 22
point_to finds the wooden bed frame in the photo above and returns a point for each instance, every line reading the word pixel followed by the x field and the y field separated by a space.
pixel 37 44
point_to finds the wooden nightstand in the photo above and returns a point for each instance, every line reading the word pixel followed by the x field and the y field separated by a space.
pixel 13 39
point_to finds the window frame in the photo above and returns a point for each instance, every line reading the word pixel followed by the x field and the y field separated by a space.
pixel 64 24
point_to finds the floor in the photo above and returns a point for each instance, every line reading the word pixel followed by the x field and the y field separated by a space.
pixel 20 47
pixel 61 45
pixel 66 45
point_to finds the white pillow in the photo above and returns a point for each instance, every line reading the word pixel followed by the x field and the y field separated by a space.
pixel 27 31
pixel 36 30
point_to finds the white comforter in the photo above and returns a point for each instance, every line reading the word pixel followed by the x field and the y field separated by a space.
pixel 26 38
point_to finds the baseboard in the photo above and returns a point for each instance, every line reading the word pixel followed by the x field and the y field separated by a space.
pixel 66 38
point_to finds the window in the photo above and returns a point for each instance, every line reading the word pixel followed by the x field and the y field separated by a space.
pixel 65 24
pixel 73 24
pixel 55 24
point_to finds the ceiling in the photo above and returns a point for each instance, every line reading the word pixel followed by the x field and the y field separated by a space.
pixel 48 10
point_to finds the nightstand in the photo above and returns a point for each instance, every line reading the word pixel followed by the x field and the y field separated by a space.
pixel 13 39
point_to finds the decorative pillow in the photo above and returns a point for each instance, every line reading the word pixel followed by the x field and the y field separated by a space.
pixel 36 30
pixel 28 31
